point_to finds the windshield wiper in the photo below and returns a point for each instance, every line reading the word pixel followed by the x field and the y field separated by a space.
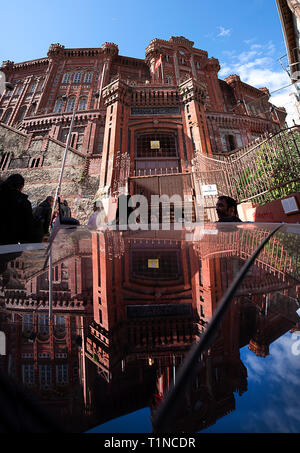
pixel 162 418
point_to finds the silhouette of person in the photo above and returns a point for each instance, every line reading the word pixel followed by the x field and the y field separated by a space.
pixel 17 224
pixel 42 214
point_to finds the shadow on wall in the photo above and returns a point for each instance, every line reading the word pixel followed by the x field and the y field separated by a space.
pixel 286 210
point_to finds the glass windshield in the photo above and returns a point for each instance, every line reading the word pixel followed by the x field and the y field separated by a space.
pixel 96 340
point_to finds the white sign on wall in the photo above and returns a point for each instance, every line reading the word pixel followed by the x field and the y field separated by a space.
pixel 289 205
pixel 209 189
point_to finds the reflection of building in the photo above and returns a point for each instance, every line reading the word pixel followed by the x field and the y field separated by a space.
pixel 127 308
pixel 46 357
pixel 133 119
pixel 130 339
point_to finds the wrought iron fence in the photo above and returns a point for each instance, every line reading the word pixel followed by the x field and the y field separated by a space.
pixel 262 171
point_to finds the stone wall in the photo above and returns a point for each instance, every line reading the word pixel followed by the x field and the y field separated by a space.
pixel 78 187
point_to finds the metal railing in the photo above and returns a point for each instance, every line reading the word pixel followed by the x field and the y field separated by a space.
pixel 262 171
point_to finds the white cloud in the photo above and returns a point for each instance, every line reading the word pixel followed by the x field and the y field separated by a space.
pixel 257 67
pixel 224 31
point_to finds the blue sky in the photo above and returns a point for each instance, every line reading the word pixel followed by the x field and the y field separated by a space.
pixel 245 36
pixel 268 405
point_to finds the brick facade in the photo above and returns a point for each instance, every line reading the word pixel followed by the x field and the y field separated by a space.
pixel 124 103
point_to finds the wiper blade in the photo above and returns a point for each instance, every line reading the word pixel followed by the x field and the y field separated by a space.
pixel 162 418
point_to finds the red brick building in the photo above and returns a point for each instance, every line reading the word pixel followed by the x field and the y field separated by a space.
pixel 135 117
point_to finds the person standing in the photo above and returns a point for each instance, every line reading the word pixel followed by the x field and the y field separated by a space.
pixel 42 214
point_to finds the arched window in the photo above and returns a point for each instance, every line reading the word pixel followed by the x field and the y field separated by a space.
pixel 82 103
pixel 19 89
pixel 66 77
pixel 32 86
pixel 35 162
pixel 22 113
pixel 4 160
pixel 40 85
pixel 77 77
pixel 31 110
pixel 70 104
pixel 88 77
pixel 58 105
pixel 6 116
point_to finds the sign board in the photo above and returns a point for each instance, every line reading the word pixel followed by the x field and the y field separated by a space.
pixel 209 189
pixel 289 205
pixel 154 144
pixel 153 263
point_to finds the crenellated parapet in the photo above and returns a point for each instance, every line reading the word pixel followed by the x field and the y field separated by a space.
pixel 116 91
pixel 110 49
pixel 7 64
pixel 192 90
pixel 55 50
pixel 181 41
pixel 212 64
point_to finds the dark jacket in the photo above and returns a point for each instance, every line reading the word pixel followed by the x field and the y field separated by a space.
pixel 42 215
pixel 16 221
pixel 230 219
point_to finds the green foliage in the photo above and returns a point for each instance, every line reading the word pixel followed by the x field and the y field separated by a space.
pixel 271 171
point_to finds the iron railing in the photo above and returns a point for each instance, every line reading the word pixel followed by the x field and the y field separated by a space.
pixel 262 171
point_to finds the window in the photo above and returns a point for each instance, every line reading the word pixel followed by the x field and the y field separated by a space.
pixel 169 80
pixel 70 104
pixel 40 85
pixel 43 324
pixel 167 58
pixel 22 112
pixel 58 105
pixel 66 77
pixel 4 160
pixel 77 77
pixel 28 374
pixel 27 322
pixel 32 86
pixel 166 145
pixel 45 375
pixel 168 265
pixel 62 374
pixel 73 139
pixel 7 116
pixel 35 162
pixel 82 103
pixel 31 110
pixel 44 355
pixel 19 90
pixel 88 77
pixel 60 322
pixel 230 142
